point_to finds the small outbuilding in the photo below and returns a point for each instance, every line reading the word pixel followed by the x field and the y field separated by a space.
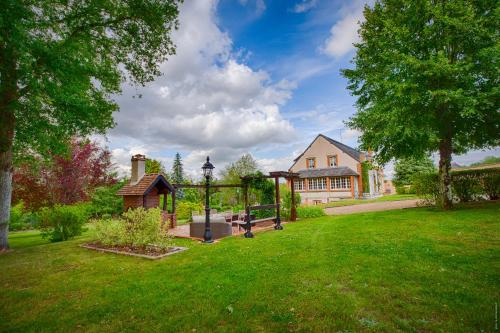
pixel 146 190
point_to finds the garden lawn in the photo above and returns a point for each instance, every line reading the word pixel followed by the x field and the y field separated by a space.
pixel 350 202
pixel 413 270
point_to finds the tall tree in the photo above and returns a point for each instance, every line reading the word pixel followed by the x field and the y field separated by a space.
pixel 426 79
pixel 60 62
pixel 245 165
pixel 63 179
pixel 155 166
pixel 406 168
pixel 177 170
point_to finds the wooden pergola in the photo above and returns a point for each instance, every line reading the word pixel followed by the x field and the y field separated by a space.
pixel 276 175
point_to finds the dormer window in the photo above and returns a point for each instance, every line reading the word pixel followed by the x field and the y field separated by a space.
pixel 332 161
pixel 311 163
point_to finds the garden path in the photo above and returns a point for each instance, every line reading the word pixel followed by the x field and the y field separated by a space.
pixel 372 207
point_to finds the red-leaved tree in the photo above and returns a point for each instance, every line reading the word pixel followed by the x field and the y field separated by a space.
pixel 63 179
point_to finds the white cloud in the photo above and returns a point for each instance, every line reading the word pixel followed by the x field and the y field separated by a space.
pixel 345 31
pixel 472 156
pixel 275 164
pixel 350 134
pixel 207 101
pixel 304 6
pixel 121 158
pixel 260 6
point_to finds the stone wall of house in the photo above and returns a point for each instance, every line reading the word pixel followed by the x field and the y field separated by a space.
pixel 321 149
pixel 132 201
pixel 152 200
pixel 311 198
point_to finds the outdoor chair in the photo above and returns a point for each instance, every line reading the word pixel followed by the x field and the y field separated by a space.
pixel 241 218
pixel 229 216
pixel 219 227
pixel 213 211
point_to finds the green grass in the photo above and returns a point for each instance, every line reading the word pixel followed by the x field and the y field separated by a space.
pixel 182 221
pixel 350 202
pixel 21 239
pixel 412 270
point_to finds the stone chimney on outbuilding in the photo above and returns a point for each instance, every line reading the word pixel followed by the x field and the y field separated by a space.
pixel 138 168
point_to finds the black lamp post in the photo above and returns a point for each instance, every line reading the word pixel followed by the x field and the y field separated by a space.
pixel 207 172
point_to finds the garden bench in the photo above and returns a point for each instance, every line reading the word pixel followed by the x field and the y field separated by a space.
pixel 255 222
pixel 247 225
pixel 250 220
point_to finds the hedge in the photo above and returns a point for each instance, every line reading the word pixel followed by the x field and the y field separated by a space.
pixel 365 166
pixel 467 185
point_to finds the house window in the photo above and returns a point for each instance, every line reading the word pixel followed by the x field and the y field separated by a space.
pixel 340 183
pixel 317 183
pixel 332 161
pixel 298 185
pixel 311 163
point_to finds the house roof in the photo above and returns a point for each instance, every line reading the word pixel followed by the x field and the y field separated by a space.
pixel 354 153
pixel 327 172
pixel 145 185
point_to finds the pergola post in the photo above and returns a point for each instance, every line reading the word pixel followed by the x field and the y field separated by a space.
pixel 174 217
pixel 245 196
pixel 293 209
pixel 248 227
pixel 165 196
pixel 173 202
pixel 277 192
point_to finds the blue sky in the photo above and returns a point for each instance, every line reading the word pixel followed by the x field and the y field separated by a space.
pixel 287 44
pixel 250 76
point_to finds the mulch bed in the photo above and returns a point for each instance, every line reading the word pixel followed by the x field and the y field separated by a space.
pixel 149 252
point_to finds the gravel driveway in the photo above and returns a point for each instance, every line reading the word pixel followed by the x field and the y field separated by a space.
pixel 371 207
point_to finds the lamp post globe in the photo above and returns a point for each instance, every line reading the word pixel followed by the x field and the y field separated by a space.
pixel 207 168
pixel 207 172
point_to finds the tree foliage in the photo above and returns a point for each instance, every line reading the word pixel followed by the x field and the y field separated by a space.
pixel 105 202
pixel 406 168
pixel 62 222
pixel 426 79
pixel 63 179
pixel 244 166
pixel 155 166
pixel 62 60
pixel 177 170
pixel 60 63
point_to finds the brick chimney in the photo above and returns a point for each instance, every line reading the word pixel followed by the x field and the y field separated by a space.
pixel 138 168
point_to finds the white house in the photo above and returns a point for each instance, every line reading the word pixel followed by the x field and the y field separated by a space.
pixel 330 170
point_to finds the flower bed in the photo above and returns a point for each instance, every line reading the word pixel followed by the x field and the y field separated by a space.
pixel 149 252
pixel 138 232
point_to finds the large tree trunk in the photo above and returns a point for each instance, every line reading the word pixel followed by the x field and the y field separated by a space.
pixel 8 97
pixel 445 149
pixel 7 122
pixel 5 197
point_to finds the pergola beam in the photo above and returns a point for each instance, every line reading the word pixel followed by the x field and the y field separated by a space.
pixel 204 186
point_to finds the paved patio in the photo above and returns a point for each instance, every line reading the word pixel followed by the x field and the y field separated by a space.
pixel 182 231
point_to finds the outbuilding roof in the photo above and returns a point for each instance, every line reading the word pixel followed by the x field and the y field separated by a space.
pixel 327 172
pixel 146 184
